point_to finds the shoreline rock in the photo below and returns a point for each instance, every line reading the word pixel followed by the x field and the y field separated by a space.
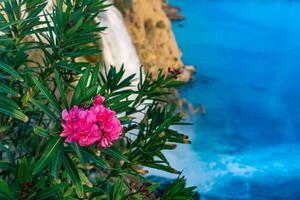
pixel 173 12
pixel 188 72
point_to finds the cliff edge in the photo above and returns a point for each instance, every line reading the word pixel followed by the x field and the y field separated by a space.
pixel 151 32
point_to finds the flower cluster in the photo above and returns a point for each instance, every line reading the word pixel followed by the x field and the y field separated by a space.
pixel 97 124
pixel 174 72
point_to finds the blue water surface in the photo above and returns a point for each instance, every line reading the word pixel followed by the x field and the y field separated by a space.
pixel 247 55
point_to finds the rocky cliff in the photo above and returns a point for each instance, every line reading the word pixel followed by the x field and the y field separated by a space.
pixel 151 32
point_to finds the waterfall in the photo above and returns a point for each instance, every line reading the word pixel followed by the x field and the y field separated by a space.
pixel 117 46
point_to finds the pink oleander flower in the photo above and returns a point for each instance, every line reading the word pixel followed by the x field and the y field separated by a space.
pixel 97 124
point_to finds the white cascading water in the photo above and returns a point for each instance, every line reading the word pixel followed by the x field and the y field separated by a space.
pixel 118 48
pixel 117 45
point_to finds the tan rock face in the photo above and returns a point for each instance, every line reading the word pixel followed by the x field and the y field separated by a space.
pixel 152 35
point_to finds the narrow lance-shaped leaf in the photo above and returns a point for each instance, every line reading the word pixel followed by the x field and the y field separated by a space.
pixel 5 191
pixel 41 132
pixel 45 109
pixel 13 112
pixel 161 167
pixel 80 89
pixel 89 154
pixel 116 153
pixel 5 128
pixel 76 149
pixel 57 161
pixel 117 191
pixel 50 97
pixel 9 102
pixel 8 69
pixel 8 90
pixel 4 165
pixel 75 27
pixel 49 192
pixel 178 191
pixel 153 187
pixel 50 151
pixel 60 88
pixel 74 175
pixel 95 75
pixel 24 170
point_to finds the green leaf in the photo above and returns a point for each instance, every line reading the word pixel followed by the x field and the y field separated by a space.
pixel 9 102
pixel 75 67
pixel 50 151
pixel 75 27
pixel 126 82
pixel 8 90
pixel 76 149
pixel 3 1
pixel 60 88
pixel 117 192
pixel 178 191
pixel 118 98
pixel 80 90
pixel 153 187
pixel 45 109
pixel 74 175
pixel 86 152
pixel 13 112
pixel 161 167
pixel 84 179
pixel 92 91
pixel 116 154
pixel 121 106
pixel 174 84
pixel 50 97
pixel 5 192
pixel 7 166
pixel 5 129
pixel 57 161
pixel 24 170
pixel 95 75
pixel 8 69
pixel 47 193
pixel 41 132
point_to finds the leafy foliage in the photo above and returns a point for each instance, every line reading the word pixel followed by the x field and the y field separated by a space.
pixel 41 73
pixel 178 191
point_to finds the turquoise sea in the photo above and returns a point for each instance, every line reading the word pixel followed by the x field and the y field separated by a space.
pixel 247 55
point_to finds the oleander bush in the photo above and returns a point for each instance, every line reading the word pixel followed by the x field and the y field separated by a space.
pixel 70 129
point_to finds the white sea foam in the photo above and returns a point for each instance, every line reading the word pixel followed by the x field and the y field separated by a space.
pixel 212 172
